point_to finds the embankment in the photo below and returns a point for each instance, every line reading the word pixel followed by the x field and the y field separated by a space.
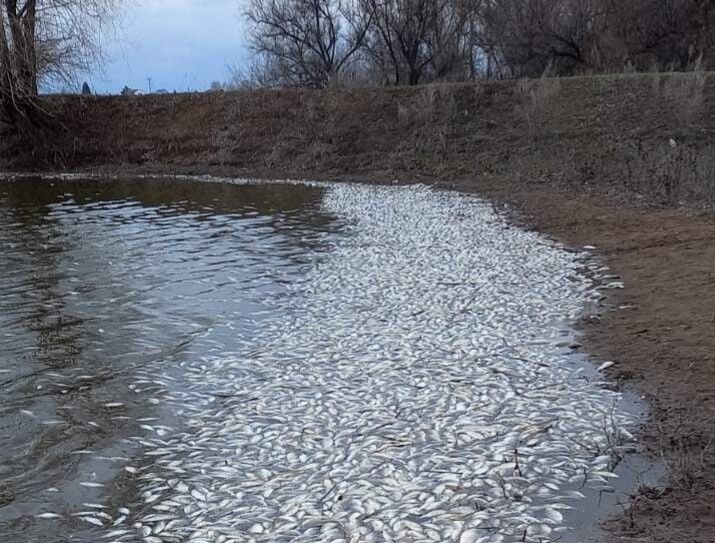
pixel 625 163
pixel 596 134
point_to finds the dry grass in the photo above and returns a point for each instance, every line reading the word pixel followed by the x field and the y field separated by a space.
pixel 534 98
pixel 684 95
pixel 605 134
pixel 428 118
pixel 670 175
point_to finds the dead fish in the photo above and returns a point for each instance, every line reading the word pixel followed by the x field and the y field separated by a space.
pixel 410 383
pixel 116 533
pixel 48 516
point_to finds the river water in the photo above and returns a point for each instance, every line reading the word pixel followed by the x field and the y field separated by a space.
pixel 209 362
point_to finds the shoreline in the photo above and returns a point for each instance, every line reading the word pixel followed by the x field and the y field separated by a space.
pixel 660 339
pixel 659 336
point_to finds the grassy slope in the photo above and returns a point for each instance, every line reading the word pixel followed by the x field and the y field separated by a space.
pixel 594 133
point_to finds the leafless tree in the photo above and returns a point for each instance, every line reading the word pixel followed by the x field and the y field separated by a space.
pixel 306 43
pixel 309 42
pixel 401 36
pixel 665 34
pixel 531 36
pixel 451 42
pixel 45 40
pixel 18 60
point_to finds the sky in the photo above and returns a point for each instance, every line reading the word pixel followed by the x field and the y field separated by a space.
pixel 180 44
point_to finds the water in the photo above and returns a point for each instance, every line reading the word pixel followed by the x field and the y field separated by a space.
pixel 99 279
pixel 203 362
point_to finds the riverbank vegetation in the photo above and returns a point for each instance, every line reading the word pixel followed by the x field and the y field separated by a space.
pixel 645 139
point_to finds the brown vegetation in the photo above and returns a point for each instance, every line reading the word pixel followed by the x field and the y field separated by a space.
pixel 640 138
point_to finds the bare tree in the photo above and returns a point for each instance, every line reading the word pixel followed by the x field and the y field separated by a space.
pixel 18 58
pixel 312 42
pixel 452 41
pixel 530 36
pixel 401 34
pixel 306 43
pixel 665 34
pixel 45 40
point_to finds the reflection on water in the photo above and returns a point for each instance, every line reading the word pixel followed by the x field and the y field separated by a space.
pixel 97 279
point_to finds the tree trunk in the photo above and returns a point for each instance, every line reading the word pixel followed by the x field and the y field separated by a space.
pixel 8 108
pixel 18 63
pixel 29 31
pixel 414 76
pixel 22 28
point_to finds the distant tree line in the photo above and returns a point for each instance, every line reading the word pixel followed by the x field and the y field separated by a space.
pixel 323 43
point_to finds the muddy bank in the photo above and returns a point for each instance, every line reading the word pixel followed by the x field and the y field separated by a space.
pixel 659 333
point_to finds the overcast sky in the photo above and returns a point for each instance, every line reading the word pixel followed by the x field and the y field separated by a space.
pixel 179 44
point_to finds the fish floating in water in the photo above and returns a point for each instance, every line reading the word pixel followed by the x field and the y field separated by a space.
pixel 414 383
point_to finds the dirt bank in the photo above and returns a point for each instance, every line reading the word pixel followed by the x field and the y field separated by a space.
pixel 588 160
pixel 605 135
pixel 663 343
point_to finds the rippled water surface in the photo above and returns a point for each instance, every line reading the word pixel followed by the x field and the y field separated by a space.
pixel 98 280
pixel 186 362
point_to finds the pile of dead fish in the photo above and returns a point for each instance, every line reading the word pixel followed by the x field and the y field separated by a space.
pixel 418 386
